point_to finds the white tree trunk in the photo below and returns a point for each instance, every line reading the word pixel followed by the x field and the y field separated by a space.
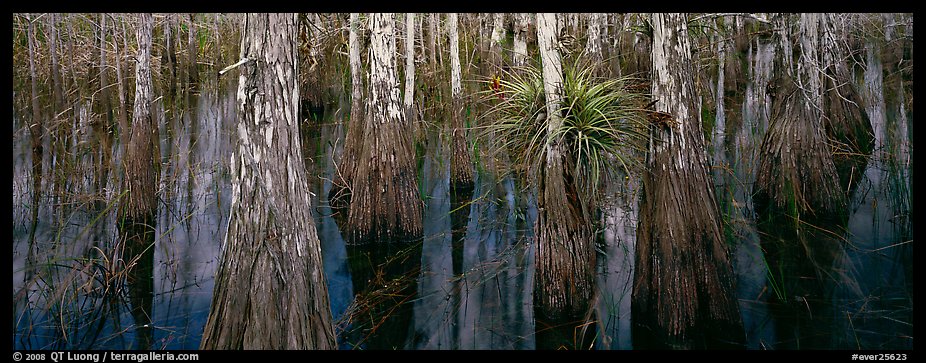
pixel 552 66
pixel 356 89
pixel 456 87
pixel 593 49
pixel 495 47
pixel 409 66
pixel 520 28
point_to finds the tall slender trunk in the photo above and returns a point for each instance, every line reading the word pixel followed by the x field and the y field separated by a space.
pixel 103 127
pixel 593 49
pixel 410 71
pixel 385 203
pixel 58 123
pixel 140 169
pixel 564 279
pixel 122 116
pixel 355 130
pixel 683 293
pixel 432 42
pixel 270 290
pixel 614 32
pixel 57 86
pixel 461 166
pixel 169 56
pixel 496 55
pixel 35 130
pixel 519 31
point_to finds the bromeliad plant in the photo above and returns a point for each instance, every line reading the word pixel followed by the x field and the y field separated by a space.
pixel 604 127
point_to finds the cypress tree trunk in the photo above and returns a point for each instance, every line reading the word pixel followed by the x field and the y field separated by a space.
pixel 270 290
pixel 432 41
pixel 564 279
pixel 35 131
pixel 683 294
pixel 141 171
pixel 844 116
pixel 122 116
pixel 103 128
pixel 593 49
pixel 520 31
pixel 496 58
pixel 169 56
pixel 354 138
pixel 461 165
pixel 797 187
pixel 57 86
pixel 409 96
pixel 385 203
pixel 796 169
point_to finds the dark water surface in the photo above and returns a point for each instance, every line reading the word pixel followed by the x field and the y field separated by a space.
pixel 469 284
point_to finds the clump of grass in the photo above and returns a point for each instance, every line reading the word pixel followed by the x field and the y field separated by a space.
pixel 604 128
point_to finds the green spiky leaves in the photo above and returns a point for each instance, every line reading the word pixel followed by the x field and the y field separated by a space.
pixel 603 128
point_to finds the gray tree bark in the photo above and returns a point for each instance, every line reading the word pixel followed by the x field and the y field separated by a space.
pixel 564 280
pixel 520 31
pixel 844 116
pixel 122 116
pixel 461 165
pixel 169 56
pixel 355 130
pixel 496 56
pixel 141 171
pixel 683 293
pixel 593 49
pixel 409 96
pixel 36 130
pixel 385 204
pixel 796 168
pixel 270 290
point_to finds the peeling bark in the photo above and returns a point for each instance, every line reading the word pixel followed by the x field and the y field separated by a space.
pixel 409 96
pixel 496 58
pixel 844 115
pixel 796 170
pixel 683 294
pixel 593 49
pixel 354 138
pixel 385 204
pixel 564 280
pixel 461 165
pixel 520 31
pixel 270 290
pixel 141 171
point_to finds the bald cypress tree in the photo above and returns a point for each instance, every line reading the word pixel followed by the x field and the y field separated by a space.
pixel 683 295
pixel 270 290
